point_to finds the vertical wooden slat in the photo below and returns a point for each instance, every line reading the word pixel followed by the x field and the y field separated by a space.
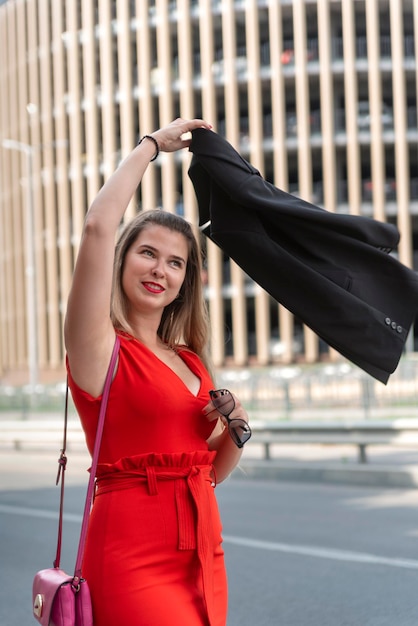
pixel 4 202
pixel 78 155
pixel 214 254
pixel 185 78
pixel 91 127
pixel 62 208
pixel 402 170
pixel 326 87
pixel 36 141
pixel 107 88
pixel 49 192
pixel 20 242
pixel 147 122
pixel 303 134
pixel 165 102
pixel 351 99
pixel 232 115
pixel 255 115
pixel 377 149
pixel 326 84
pixel 11 194
pixel 280 165
pixel 125 86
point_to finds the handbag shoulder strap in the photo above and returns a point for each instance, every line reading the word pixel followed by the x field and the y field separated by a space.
pixel 97 443
pixel 90 487
pixel 62 465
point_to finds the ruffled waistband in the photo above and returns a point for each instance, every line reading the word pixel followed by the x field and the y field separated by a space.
pixel 158 460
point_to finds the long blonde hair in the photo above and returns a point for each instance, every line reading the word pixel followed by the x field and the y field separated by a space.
pixel 185 320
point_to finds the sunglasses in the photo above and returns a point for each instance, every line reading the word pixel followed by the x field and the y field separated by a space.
pixel 224 403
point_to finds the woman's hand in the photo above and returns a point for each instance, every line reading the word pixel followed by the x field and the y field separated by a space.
pixel 170 138
pixel 228 443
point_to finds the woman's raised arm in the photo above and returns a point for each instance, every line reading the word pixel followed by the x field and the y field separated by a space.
pixel 88 331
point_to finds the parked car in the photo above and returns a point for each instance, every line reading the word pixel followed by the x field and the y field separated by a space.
pixel 389 186
pixel 288 56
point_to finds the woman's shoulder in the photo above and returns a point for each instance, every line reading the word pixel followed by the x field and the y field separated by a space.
pixel 124 336
pixel 129 342
pixel 186 351
pixel 190 357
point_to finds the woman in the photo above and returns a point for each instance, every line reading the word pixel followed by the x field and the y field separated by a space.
pixel 153 555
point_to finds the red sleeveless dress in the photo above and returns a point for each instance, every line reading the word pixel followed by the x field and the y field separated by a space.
pixel 154 552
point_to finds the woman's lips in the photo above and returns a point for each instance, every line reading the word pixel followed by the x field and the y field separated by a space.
pixel 153 287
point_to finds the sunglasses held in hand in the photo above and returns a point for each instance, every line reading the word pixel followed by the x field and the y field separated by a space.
pixel 224 403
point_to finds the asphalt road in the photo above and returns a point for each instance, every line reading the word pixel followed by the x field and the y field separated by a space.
pixel 297 554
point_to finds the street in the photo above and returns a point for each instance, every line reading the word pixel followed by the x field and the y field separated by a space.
pixel 297 554
pixel 320 555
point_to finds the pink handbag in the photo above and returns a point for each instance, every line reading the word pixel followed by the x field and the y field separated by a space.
pixel 59 599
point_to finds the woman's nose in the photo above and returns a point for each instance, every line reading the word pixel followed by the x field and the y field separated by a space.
pixel 158 269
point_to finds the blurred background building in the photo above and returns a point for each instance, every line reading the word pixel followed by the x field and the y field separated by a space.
pixel 319 95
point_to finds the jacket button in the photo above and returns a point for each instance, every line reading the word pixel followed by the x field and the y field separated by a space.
pixel 387 320
pixel 394 325
pixel 399 329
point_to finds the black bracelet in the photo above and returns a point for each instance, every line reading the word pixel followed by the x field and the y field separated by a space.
pixel 157 147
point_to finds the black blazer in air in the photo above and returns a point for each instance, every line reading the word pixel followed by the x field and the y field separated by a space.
pixel 332 271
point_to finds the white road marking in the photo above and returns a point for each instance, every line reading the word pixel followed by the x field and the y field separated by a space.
pixel 271 546
pixel 27 512
pixel 323 553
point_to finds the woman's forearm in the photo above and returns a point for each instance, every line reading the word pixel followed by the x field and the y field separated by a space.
pixel 227 457
pixel 110 204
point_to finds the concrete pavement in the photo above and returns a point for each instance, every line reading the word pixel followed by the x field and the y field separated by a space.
pixel 386 467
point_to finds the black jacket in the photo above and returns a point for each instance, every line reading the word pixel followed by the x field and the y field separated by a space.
pixel 332 271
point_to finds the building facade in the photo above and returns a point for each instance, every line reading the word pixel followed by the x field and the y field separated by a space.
pixel 319 95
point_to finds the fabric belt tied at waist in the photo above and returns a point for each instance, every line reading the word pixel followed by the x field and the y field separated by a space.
pixel 194 511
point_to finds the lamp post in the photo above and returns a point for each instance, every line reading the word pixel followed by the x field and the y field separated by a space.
pixel 30 269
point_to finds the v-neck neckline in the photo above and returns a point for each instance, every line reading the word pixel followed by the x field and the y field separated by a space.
pixel 180 354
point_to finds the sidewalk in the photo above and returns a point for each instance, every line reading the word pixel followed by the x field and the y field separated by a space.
pixel 386 466
pixel 326 464
pixel 32 469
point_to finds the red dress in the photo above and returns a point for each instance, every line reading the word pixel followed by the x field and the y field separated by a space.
pixel 154 552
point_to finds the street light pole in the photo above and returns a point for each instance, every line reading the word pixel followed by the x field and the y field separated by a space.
pixel 30 270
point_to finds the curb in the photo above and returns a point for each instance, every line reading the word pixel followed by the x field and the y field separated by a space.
pixel 405 477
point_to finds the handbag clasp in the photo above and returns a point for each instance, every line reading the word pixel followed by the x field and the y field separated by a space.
pixel 38 605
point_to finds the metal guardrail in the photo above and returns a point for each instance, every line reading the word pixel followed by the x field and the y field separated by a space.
pixel 401 433
pixel 301 391
pixel 335 404
pixel 45 434
pixel 277 392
